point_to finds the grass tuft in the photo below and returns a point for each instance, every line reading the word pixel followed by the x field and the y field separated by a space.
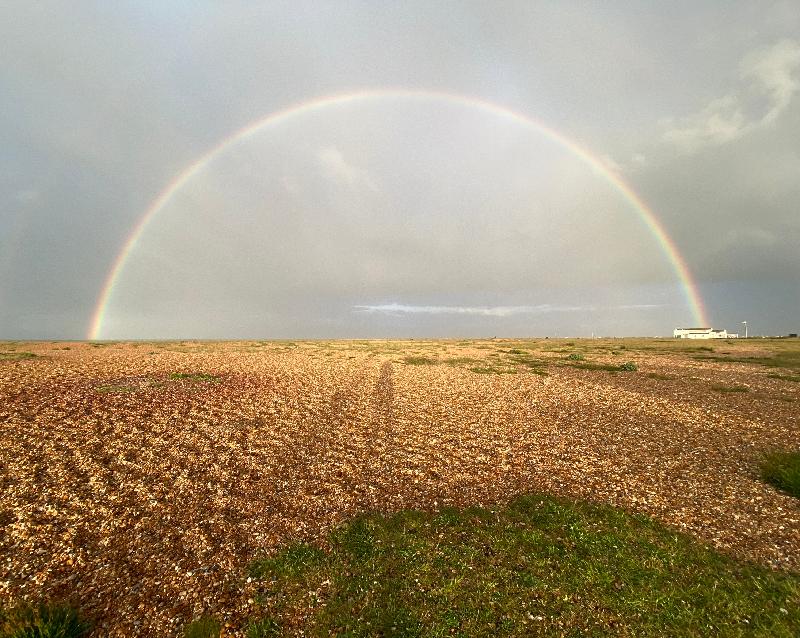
pixel 203 627
pixel 288 563
pixel 42 621
pixel 263 628
pixel 595 366
pixel 195 377
pixel 457 361
pixel 732 388
pixel 539 371
pixel 628 366
pixel 576 356
pixel 782 470
pixel 492 370
pixel 420 361
pixel 789 359
pixel 16 356
pixel 794 378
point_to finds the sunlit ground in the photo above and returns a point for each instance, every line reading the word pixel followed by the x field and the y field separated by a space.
pixel 141 480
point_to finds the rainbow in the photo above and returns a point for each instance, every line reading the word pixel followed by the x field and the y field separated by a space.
pixel 276 118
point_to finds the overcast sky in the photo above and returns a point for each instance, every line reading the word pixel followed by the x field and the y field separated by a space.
pixel 398 216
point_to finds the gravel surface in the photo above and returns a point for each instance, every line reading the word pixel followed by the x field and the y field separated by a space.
pixel 141 495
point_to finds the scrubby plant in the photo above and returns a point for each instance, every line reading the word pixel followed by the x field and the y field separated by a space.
pixel 420 361
pixel 14 355
pixel 203 627
pixel 263 628
pixel 42 621
pixel 629 366
pixel 196 376
pixel 782 470
pixel 576 356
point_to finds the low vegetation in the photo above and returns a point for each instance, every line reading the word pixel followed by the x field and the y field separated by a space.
pixel 786 357
pixel 542 566
pixel 732 388
pixel 628 366
pixel 493 370
pixel 794 378
pixel 42 621
pixel 420 361
pixel 194 376
pixel 204 627
pixel 660 376
pixel 14 355
pixel 782 470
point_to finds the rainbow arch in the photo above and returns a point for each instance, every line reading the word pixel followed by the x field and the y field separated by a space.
pixel 645 213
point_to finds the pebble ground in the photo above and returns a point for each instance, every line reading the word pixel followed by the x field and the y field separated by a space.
pixel 141 495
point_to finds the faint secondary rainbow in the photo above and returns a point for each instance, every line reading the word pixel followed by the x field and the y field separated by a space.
pixel 276 118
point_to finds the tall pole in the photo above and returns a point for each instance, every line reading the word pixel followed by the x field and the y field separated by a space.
pixel 745 329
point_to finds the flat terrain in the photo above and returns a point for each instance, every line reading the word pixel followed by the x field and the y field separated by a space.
pixel 140 479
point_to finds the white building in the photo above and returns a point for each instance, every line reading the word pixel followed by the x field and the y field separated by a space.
pixel 702 333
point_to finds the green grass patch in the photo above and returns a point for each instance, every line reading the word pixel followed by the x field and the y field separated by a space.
pixel 194 376
pixel 794 378
pixel 13 355
pixel 203 627
pixel 788 358
pixel 607 367
pixel 263 628
pixel 731 388
pixel 575 356
pixel 420 361
pixel 460 361
pixel 492 370
pixel 628 366
pixel 782 470
pixel 539 371
pixel 42 621
pixel 660 377
pixel 540 566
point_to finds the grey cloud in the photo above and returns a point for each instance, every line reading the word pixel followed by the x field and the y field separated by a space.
pixel 104 104
pixel 769 74
pixel 488 311
pixel 482 311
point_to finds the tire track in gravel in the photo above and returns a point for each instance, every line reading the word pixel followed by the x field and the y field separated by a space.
pixel 381 439
pixel 322 475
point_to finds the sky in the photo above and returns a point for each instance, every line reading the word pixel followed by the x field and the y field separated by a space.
pixel 380 169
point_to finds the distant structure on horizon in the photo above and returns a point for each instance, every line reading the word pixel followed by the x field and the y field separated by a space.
pixel 702 333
